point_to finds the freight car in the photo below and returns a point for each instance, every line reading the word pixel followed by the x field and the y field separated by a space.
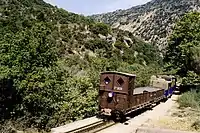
pixel 171 82
pixel 119 97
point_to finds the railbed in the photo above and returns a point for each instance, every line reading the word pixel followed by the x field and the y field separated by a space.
pixel 76 125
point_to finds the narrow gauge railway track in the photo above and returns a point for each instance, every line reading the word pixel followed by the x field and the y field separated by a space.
pixel 90 127
pixel 93 128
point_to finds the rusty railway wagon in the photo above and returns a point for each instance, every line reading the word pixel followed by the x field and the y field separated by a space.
pixel 119 97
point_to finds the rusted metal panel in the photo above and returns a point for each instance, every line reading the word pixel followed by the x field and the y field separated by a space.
pixel 105 101
pixel 117 85
pixel 133 101
pixel 151 96
pixel 145 96
pixel 121 102
pixel 139 99
pixel 118 92
pixel 121 83
pixel 106 81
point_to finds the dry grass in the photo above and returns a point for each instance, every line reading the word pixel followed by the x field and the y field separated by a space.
pixel 178 118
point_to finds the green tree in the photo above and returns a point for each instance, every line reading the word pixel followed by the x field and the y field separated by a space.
pixel 27 70
pixel 97 44
pixel 27 50
pixel 182 53
pixel 100 28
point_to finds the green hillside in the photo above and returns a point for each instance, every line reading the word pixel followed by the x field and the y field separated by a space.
pixel 50 63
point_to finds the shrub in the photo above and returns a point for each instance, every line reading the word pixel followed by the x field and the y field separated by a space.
pixel 120 45
pixel 190 99
pixel 100 28
pixel 98 44
pixel 191 79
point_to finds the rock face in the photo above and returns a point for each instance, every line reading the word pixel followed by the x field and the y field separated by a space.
pixel 152 21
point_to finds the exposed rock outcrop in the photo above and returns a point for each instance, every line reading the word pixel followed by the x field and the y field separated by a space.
pixel 153 21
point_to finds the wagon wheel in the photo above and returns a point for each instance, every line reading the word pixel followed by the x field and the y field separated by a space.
pixel 158 102
pixel 118 116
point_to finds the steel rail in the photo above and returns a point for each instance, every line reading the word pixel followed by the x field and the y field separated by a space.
pixel 88 128
pixel 93 128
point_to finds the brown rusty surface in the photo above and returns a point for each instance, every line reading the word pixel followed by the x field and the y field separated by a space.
pixel 118 84
pixel 124 85
pixel 124 94
pixel 158 130
pixel 102 82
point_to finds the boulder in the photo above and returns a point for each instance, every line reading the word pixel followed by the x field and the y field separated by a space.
pixel 102 36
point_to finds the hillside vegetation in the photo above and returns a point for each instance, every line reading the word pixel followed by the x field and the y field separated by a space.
pixel 183 51
pixel 50 62
pixel 183 57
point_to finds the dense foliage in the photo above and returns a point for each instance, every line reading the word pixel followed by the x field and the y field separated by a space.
pixel 190 99
pixel 184 48
pixel 50 62
pixel 183 58
pixel 100 28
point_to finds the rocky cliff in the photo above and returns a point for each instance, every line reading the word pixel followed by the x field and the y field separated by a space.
pixel 152 21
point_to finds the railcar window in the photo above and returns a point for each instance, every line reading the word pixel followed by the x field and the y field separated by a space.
pixel 107 80
pixel 120 81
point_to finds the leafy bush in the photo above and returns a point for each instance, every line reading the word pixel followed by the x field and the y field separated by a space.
pixel 190 99
pixel 28 60
pixel 100 28
pixel 98 44
pixel 120 45
pixel 191 79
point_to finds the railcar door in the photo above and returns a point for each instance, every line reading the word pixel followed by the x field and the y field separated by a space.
pixel 114 91
pixel 121 84
pixel 106 86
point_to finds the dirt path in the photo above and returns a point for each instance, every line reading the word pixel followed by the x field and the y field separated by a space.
pixel 185 119
pixel 145 119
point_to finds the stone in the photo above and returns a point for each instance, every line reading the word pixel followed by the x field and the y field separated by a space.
pixel 102 36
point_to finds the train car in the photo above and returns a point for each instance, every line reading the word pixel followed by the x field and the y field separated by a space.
pixel 169 83
pixel 119 97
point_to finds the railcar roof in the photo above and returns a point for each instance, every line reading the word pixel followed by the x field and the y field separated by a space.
pixel 120 73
